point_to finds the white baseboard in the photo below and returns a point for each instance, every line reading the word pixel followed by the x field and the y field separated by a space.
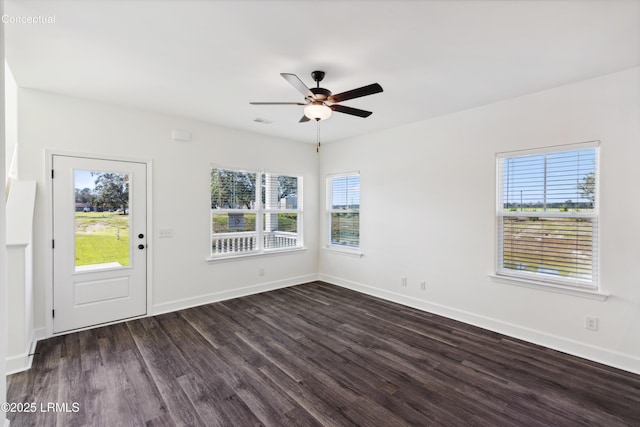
pixel 230 294
pixel 22 362
pixel 597 354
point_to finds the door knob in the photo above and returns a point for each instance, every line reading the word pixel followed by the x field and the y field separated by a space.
pixel 140 246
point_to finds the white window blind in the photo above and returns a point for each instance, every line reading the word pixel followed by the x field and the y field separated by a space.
pixel 547 215
pixel 240 225
pixel 343 203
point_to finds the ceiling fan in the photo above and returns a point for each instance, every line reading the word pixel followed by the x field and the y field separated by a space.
pixel 320 103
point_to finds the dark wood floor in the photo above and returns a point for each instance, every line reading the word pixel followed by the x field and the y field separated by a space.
pixel 314 355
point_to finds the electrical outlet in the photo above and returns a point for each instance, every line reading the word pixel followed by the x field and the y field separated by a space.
pixel 591 323
pixel 423 286
pixel 403 281
pixel 165 233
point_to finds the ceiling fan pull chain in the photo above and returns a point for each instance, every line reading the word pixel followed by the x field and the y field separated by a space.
pixel 318 136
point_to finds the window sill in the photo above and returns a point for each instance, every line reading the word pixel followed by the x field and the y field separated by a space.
pixel 549 287
pixel 344 251
pixel 239 256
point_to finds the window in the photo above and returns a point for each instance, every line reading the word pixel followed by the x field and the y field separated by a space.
pixel 242 226
pixel 547 214
pixel 343 206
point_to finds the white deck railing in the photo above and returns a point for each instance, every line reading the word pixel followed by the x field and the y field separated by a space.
pixel 245 241
pixel 280 239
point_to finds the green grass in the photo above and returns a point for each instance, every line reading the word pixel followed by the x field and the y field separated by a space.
pixel 345 229
pixel 97 249
pixel 101 237
pixel 288 222
pixel 220 222
pixel 556 245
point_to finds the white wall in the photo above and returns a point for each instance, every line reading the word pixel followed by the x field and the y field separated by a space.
pixel 19 257
pixel 3 319
pixel 181 195
pixel 11 119
pixel 428 196
pixel 428 204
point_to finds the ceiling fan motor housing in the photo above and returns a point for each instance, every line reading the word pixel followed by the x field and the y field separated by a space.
pixel 320 93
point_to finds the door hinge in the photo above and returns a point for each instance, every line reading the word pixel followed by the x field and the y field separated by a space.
pixel 51 173
pixel 53 244
pixel 53 313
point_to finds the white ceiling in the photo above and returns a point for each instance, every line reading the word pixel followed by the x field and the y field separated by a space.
pixel 207 59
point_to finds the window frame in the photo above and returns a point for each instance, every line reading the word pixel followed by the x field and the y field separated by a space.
pixel 259 210
pixel 330 211
pixel 266 210
pixel 538 278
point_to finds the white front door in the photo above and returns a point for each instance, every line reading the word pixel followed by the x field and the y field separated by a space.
pixel 99 241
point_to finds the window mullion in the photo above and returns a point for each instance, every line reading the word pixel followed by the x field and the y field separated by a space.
pixel 259 213
pixel 544 197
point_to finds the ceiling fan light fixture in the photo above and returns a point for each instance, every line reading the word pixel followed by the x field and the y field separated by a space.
pixel 317 111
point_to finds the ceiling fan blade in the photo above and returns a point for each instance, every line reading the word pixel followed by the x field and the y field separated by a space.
pixel 298 84
pixel 304 119
pixel 356 93
pixel 349 110
pixel 277 103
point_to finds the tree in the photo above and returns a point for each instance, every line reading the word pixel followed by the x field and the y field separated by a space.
pixel 112 191
pixel 287 186
pixel 232 189
pixel 84 196
pixel 587 187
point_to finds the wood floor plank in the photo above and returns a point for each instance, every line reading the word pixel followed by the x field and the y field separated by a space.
pixel 165 366
pixel 315 355
pixel 312 400
pixel 46 386
pixel 239 370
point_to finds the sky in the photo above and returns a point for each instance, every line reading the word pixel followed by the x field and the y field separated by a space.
pixel 83 179
pixel 524 177
pixel 346 190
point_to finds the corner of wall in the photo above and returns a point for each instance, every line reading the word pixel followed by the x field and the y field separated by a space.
pixel 22 362
pixel 618 360
pixel 230 294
